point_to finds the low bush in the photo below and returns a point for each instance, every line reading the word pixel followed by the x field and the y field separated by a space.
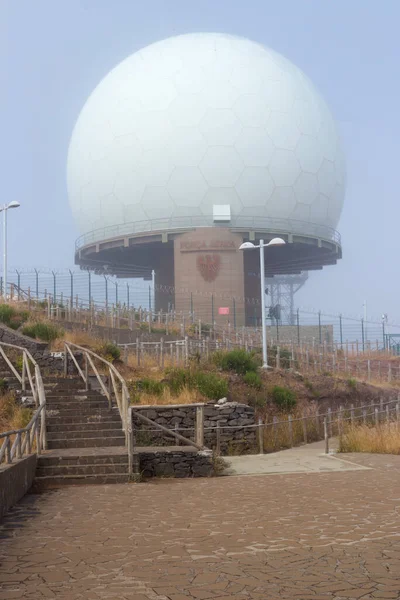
pixel 253 380
pixel 209 385
pixel 238 361
pixel 3 385
pixel 150 386
pixel 110 351
pixel 11 317
pixel 284 398
pixel 42 331
pixel 352 383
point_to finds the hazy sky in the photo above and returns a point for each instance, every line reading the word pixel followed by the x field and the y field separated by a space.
pixel 54 52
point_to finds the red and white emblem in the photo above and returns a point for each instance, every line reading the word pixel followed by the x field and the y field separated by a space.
pixel 209 265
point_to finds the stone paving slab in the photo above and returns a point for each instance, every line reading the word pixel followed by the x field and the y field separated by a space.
pixel 305 536
pixel 304 459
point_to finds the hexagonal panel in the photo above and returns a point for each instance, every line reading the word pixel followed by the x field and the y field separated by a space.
pixel 219 93
pixel 278 94
pixel 156 93
pixel 327 137
pixel 221 195
pixel 281 203
pixel 221 166
pixel 319 209
pixel 309 154
pixel 157 203
pixel 308 116
pixel 187 110
pixel 189 80
pixel 251 110
pixel 283 131
pixel 127 113
pixel 301 212
pixel 306 188
pixel 284 167
pixel 154 129
pixel 129 187
pixel 155 166
pixel 134 213
pixel 327 178
pixel 255 186
pixel 254 147
pixel 111 209
pixel 187 148
pixel 246 78
pixel 220 127
pixel 187 186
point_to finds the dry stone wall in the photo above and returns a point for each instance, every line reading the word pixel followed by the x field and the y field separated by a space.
pixel 234 420
pixel 176 462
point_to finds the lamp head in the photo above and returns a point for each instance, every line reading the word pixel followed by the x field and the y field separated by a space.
pixel 246 246
pixel 13 204
pixel 276 242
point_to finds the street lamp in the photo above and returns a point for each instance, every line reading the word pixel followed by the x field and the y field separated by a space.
pixel 251 246
pixel 13 204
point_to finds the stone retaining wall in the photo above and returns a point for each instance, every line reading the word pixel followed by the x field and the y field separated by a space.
pixel 227 414
pixel 15 480
pixel 176 462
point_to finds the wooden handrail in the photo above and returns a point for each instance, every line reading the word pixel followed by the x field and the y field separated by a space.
pixel 24 436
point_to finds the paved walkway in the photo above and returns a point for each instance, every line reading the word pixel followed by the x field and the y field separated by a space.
pixel 305 536
pixel 304 459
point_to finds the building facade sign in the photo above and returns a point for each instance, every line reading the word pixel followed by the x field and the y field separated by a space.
pixel 207 246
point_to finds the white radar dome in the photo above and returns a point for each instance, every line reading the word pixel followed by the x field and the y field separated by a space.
pixel 200 120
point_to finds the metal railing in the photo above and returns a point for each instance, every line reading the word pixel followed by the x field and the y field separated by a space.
pixel 20 442
pixel 282 226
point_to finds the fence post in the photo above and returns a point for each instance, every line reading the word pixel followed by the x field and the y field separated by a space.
pixel 317 421
pixel 387 413
pixel 369 369
pixel 65 361
pixel 326 436
pixel 126 354
pixel 200 425
pixel 390 372
pixel 398 414
pixel 278 357
pixel 330 421
pixel 162 352
pixel 290 425
pixel 364 416
pixel 260 436
pixel 218 442
pixel 274 426
pixel 376 416
pixel 352 414
pixel 138 352
pixel 304 423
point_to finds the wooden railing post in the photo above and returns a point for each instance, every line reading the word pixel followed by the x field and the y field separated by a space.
pixel 326 435
pixel 290 425
pixel 65 361
pixel 304 423
pixel 200 425
pixel 260 436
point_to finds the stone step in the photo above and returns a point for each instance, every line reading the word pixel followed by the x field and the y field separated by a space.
pixel 78 393
pixel 95 425
pixel 82 459
pixel 73 412
pixel 62 470
pixel 115 431
pixel 90 442
pixel 42 483
pixel 78 406
pixel 78 419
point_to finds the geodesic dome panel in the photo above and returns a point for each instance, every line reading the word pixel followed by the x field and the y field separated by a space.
pixel 203 119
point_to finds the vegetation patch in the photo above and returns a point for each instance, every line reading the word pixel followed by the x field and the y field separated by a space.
pixel 384 439
pixel 109 351
pixel 253 379
pixel 46 332
pixel 11 317
pixel 283 397
pixel 238 361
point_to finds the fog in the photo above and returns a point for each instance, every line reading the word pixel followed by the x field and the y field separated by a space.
pixel 53 54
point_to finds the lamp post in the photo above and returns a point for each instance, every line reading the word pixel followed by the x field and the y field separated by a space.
pixel 251 246
pixel 4 209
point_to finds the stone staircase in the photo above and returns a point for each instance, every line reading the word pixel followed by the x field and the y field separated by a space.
pixel 85 440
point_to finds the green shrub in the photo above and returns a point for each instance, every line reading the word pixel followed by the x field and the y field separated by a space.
pixel 3 385
pixel 284 398
pixel 238 361
pixel 352 383
pixel 42 331
pixel 6 313
pixel 210 385
pixel 253 380
pixel 110 351
pixel 150 386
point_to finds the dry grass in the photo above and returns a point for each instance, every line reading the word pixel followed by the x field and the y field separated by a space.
pixel 78 337
pixel 186 396
pixel 384 439
pixel 12 415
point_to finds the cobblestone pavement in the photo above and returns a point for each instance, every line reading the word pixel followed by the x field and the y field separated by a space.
pixel 302 536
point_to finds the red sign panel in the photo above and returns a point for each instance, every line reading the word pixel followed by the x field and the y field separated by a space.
pixel 223 310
